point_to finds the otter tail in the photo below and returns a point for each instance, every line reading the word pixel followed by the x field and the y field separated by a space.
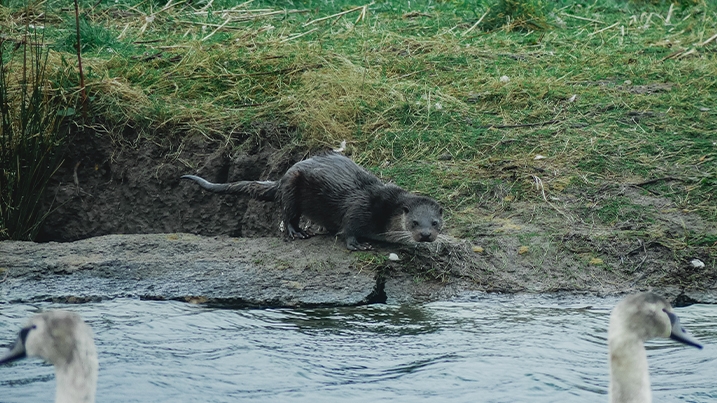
pixel 259 190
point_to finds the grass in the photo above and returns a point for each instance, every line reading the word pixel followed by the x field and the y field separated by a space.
pixel 608 92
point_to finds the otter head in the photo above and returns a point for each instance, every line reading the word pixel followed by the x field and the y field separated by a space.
pixel 422 217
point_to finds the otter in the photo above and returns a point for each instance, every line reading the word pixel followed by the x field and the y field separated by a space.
pixel 332 191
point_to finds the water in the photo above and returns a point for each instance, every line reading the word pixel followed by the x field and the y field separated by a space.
pixel 485 348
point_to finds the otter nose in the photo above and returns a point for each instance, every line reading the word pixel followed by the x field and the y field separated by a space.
pixel 425 236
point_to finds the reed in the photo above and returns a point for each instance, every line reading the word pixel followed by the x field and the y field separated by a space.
pixel 30 137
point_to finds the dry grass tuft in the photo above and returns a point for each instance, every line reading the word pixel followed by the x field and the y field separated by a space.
pixel 337 102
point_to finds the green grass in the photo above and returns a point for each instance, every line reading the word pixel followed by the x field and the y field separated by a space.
pixel 619 210
pixel 414 90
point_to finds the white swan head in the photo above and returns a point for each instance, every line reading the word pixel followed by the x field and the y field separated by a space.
pixel 634 320
pixel 63 339
pixel 647 316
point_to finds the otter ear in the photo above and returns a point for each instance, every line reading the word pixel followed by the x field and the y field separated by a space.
pixel 440 210
pixel 405 209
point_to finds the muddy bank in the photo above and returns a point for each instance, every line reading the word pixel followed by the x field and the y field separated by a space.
pixel 241 272
pixel 244 272
pixel 526 245
pixel 271 272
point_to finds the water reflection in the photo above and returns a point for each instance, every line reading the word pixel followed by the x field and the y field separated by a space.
pixel 487 348
pixel 373 319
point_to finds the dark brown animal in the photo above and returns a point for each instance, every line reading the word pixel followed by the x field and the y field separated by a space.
pixel 334 192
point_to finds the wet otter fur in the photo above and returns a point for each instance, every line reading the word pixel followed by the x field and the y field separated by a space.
pixel 332 191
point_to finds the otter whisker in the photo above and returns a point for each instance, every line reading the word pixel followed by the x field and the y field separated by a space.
pixel 401 237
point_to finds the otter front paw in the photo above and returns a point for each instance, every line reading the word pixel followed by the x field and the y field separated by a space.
pixel 297 233
pixel 353 244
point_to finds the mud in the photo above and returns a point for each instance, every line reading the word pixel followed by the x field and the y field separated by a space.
pixel 237 272
pixel 271 272
pixel 133 187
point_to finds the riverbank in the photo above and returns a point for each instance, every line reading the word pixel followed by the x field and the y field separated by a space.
pixel 550 244
pixel 576 155
pixel 271 272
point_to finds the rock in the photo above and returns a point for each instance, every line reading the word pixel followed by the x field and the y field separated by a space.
pixel 697 263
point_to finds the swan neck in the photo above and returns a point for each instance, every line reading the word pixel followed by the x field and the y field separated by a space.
pixel 76 382
pixel 629 374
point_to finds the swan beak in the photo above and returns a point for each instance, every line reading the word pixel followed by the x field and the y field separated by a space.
pixel 680 334
pixel 17 352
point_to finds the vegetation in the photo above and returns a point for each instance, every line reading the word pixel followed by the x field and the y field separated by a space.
pixel 517 14
pixel 30 138
pixel 482 104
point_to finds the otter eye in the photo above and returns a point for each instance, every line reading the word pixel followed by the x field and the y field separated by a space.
pixel 435 223
pixel 415 223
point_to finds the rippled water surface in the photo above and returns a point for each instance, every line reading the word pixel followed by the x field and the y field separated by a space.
pixel 484 348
